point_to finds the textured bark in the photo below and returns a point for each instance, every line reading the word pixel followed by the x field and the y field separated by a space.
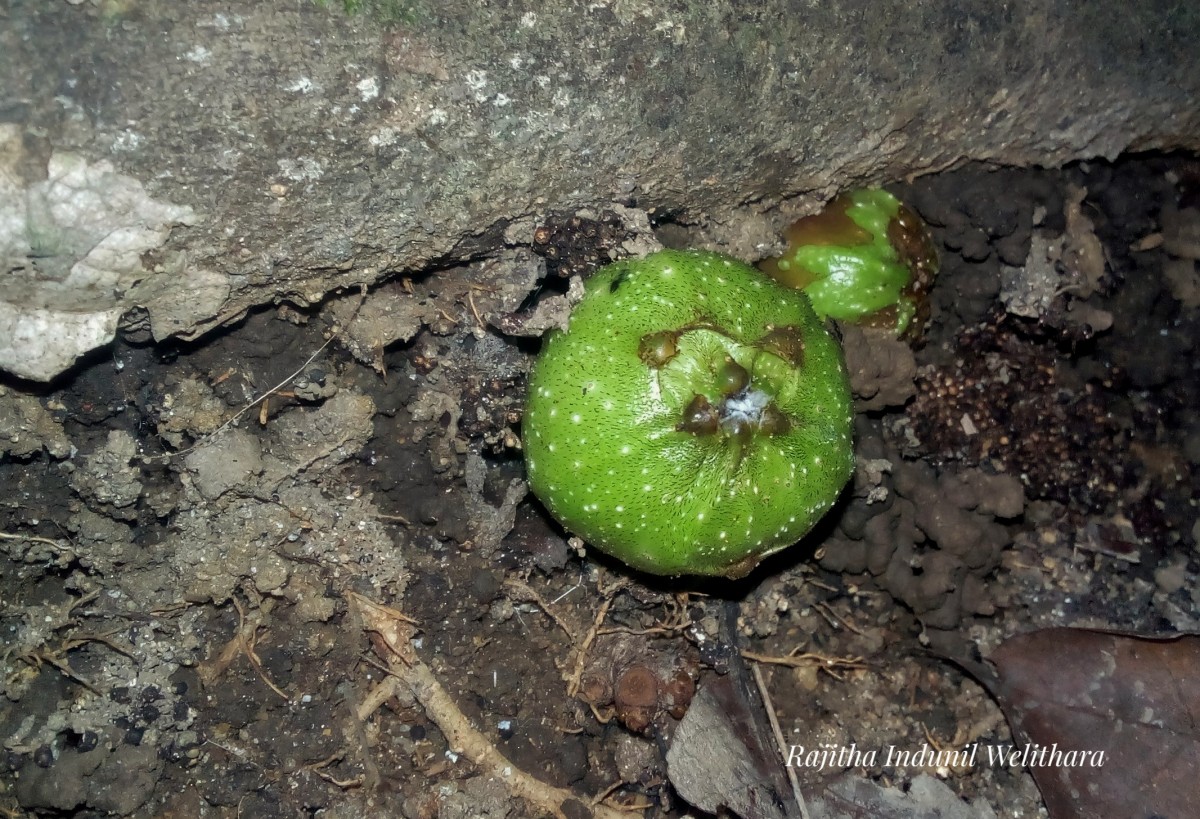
pixel 321 151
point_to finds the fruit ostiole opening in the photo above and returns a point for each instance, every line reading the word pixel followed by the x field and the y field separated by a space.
pixel 750 411
pixel 739 415
pixel 728 400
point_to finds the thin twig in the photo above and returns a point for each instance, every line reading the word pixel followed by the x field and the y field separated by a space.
pixel 823 662
pixel 391 632
pixel 33 539
pixel 779 741
pixel 243 642
pixel 830 613
pixel 229 421
pixel 523 591
pixel 581 654
pixel 403 521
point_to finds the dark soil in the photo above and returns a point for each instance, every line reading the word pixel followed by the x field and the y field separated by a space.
pixel 178 639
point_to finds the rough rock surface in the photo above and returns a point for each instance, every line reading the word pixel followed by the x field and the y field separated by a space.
pixel 318 151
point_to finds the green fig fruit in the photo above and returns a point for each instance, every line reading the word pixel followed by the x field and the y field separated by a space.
pixel 866 258
pixel 693 418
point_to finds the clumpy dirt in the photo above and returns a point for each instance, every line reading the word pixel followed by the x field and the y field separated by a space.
pixel 180 557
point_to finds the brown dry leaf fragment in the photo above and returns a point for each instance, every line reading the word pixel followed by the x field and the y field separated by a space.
pixel 1135 700
pixel 722 757
pixel 724 754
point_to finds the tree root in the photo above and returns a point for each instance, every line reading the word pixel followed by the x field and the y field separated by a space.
pixel 391 631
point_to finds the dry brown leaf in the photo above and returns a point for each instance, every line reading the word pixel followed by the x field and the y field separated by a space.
pixel 1123 710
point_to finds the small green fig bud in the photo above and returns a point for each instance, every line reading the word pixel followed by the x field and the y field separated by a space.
pixel 866 258
pixel 693 418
